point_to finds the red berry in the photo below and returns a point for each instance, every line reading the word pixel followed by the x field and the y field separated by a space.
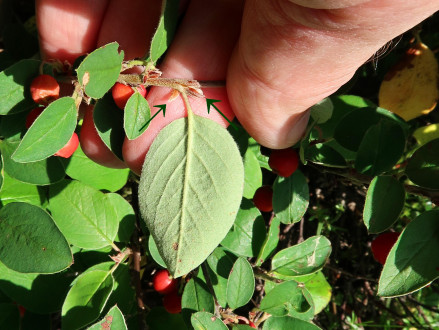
pixel 163 282
pixel 121 93
pixel 172 303
pixel 263 199
pixel 382 245
pixel 32 115
pixel 69 148
pixel 284 162
pixel 44 89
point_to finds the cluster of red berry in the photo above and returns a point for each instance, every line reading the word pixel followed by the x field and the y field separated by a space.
pixel 163 283
pixel 283 162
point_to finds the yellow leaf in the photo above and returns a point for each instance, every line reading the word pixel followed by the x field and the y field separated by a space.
pixel 410 88
pixel 426 134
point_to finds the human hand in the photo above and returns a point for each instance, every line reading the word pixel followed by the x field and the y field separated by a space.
pixel 278 57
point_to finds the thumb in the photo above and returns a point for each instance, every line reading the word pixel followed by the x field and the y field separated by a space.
pixel 290 56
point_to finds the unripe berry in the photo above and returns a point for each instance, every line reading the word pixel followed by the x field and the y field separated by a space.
pixel 44 89
pixel 121 93
pixel 172 303
pixel 163 282
pixel 284 162
pixel 382 245
pixel 69 148
pixel 263 199
pixel 32 115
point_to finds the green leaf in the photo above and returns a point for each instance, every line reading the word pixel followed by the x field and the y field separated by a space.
pixel 43 172
pixel 247 234
pixel 252 174
pixel 14 87
pixel 412 262
pixel 159 319
pixel 241 284
pixel 30 290
pixel 322 111
pixel 304 258
pixel 423 166
pixel 125 215
pixel 100 69
pixel 220 264
pixel 155 252
pixel 108 120
pixel 16 191
pixel 207 321
pixel 84 215
pixel 1 172
pixel 86 299
pixel 270 242
pixel 324 154
pixel 30 241
pixel 113 320
pixel 49 133
pixel 137 112
pixel 384 202
pixel 82 168
pixel 166 29
pixel 282 323
pixel 288 298
pixel 196 298
pixel 319 289
pixel 190 190
pixel 382 146
pixel 9 316
pixel 290 197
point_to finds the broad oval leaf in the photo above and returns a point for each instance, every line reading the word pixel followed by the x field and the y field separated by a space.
pixel 49 133
pixel 136 114
pixel 9 316
pixel 380 149
pixel 423 166
pixel 207 321
pixel 324 154
pixel 86 299
pixel 384 202
pixel 426 134
pixel 302 259
pixel 99 71
pixel 247 234
pixel 113 320
pixel 413 261
pixel 282 323
pixel 319 289
pixel 270 242
pixel 190 190
pixel 241 284
pixel 84 215
pixel 125 215
pixel 196 298
pixel 288 298
pixel 252 174
pixel 158 319
pixel 17 191
pixel 31 242
pixel 322 111
pixel 152 247
pixel 290 197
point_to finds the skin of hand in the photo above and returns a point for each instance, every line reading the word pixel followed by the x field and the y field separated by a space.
pixel 278 57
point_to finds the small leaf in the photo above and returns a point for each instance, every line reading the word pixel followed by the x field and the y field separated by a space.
pixel 319 289
pixel 241 284
pixel 324 154
pixel 290 197
pixel 304 258
pixel 166 29
pixel 125 215
pixel 30 241
pixel 136 113
pixel 207 321
pixel 82 168
pixel 252 174
pixel 155 252
pixel 49 133
pixel 281 323
pixel 270 242
pixel 84 215
pixel 99 71
pixel 426 134
pixel 382 146
pixel 17 191
pixel 86 299
pixel 322 111
pixel 410 88
pixel 108 120
pixel 413 261
pixel 196 298
pixel 384 202
pixel 159 319
pixel 247 233
pixel 113 320
pixel 423 166
pixel 190 190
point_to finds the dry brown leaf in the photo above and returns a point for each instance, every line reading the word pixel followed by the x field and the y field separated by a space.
pixel 410 88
